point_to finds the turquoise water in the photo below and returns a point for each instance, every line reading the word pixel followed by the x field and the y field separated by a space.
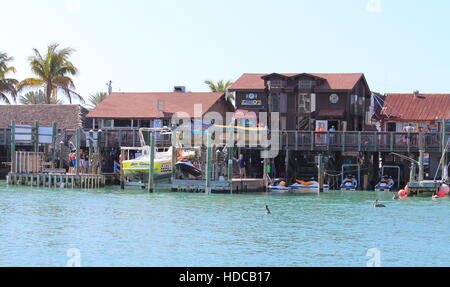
pixel 114 228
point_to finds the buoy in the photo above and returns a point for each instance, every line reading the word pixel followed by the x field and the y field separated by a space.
pixel 445 189
pixel 402 193
pixel 283 183
pixel 407 189
pixel 442 194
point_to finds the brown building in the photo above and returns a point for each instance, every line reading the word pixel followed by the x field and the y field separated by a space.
pixel 304 100
pixel 66 116
pixel 136 110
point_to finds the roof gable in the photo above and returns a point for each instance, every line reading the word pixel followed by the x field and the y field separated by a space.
pixel 340 81
pixel 145 105
pixel 407 107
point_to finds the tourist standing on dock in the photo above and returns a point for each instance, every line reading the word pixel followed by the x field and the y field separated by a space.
pixel 72 162
pixel 241 165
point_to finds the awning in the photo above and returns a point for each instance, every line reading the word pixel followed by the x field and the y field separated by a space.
pixel 329 114
pixel 245 114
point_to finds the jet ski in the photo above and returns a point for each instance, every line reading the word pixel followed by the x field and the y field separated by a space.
pixel 386 184
pixel 279 186
pixel 302 186
pixel 349 183
pixel 187 168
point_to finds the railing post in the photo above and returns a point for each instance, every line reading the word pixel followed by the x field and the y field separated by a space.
pixel 343 141
pixel 312 140
pixel 359 141
pixel 296 140
pixel 13 146
pixel 391 141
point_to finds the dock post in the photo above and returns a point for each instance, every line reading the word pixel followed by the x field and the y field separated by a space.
pixel 265 174
pixel 412 174
pixel 151 172
pixel 36 136
pixel 54 131
pixel 13 146
pixel 91 152
pixel 444 144
pixel 174 156
pixel 122 174
pixel 99 152
pixel 78 142
pixel 421 169
pixel 208 163
pixel 321 168
pixel 230 146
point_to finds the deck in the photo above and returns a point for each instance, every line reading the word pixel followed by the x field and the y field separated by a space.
pixel 237 185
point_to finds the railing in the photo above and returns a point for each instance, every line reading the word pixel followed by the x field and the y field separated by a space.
pixel 294 140
pixel 362 141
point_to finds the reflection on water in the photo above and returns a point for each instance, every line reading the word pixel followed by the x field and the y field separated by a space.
pixel 115 228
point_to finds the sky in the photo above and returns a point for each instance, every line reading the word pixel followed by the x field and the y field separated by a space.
pixel 152 46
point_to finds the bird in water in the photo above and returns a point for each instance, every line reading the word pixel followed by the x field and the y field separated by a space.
pixel 395 197
pixel 377 204
pixel 268 210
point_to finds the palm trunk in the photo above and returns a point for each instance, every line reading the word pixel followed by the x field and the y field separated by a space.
pixel 48 93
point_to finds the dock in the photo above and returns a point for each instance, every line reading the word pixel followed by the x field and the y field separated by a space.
pixel 83 181
pixel 236 186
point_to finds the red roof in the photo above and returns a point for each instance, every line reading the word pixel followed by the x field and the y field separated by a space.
pixel 426 107
pixel 333 81
pixel 145 105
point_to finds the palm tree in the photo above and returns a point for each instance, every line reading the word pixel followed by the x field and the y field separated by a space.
pixel 53 71
pixel 7 85
pixel 97 98
pixel 220 87
pixel 37 98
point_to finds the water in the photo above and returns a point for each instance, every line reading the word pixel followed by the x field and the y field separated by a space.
pixel 114 228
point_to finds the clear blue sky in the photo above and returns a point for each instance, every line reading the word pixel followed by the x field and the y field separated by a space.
pixel 144 45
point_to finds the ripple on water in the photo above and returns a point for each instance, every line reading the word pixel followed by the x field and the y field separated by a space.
pixel 115 228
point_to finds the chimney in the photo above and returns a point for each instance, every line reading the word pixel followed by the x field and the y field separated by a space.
pixel 179 89
pixel 416 94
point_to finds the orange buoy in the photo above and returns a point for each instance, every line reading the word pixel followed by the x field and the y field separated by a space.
pixel 402 193
pixel 445 189
pixel 407 189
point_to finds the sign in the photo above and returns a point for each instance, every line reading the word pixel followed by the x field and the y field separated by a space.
pixel 23 133
pixel 45 135
pixel 321 126
pixel 251 100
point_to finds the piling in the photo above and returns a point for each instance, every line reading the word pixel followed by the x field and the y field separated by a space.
pixel 321 172
pixel 13 145
pixel 208 163
pixel 151 172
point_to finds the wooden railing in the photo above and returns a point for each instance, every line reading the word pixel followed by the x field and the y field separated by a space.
pixel 296 140
pixel 362 141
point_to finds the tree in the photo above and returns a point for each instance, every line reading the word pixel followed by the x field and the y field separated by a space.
pixel 37 98
pixel 97 98
pixel 220 87
pixel 7 85
pixel 53 71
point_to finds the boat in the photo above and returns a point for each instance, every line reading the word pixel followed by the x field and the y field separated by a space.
pixel 279 186
pixel 306 187
pixel 386 183
pixel 138 168
pixel 349 183
pixel 186 167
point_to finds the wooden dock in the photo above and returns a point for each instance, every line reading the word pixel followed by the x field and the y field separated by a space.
pixel 83 181
pixel 424 186
pixel 237 186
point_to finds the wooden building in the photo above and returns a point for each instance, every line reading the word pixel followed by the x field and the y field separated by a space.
pixel 306 101
pixel 137 110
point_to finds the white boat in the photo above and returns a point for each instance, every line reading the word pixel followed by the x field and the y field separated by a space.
pixel 307 187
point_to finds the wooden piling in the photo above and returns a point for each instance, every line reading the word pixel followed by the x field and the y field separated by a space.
pixel 321 172
pixel 13 146
pixel 151 172
pixel 208 163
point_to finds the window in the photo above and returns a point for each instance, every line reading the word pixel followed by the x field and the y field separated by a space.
pixel 122 123
pixel 275 103
pixel 304 103
pixel 306 84
pixel 108 123
pixel 277 84
pixel 145 124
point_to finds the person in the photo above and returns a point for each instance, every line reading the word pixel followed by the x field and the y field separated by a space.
pixel 241 165
pixel 82 162
pixel 332 136
pixel 72 162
